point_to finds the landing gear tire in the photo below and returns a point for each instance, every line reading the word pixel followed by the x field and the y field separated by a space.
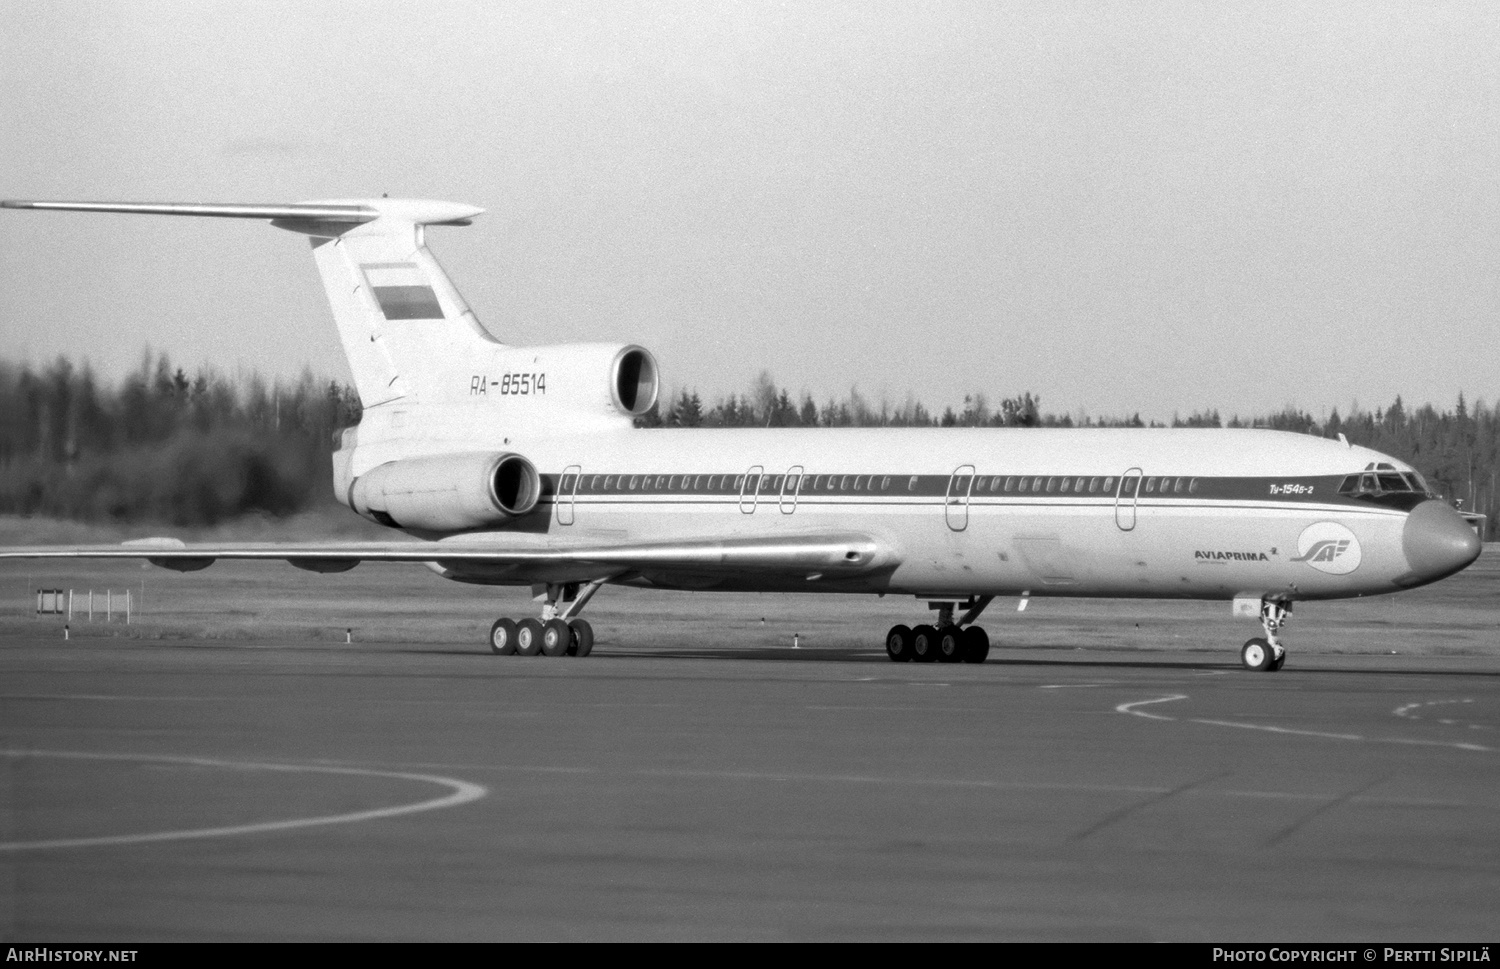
pixel 1258 656
pixel 898 644
pixel 583 638
pixel 976 644
pixel 924 647
pixel 950 645
pixel 503 637
pixel 1278 662
pixel 556 638
pixel 528 637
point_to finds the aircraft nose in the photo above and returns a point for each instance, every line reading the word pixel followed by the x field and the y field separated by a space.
pixel 1437 541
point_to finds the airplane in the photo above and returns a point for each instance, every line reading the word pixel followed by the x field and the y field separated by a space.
pixel 522 466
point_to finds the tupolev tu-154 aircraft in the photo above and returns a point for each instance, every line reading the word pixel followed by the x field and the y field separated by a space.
pixel 522 466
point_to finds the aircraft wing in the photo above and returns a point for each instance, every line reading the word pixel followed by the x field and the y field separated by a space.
pixel 806 555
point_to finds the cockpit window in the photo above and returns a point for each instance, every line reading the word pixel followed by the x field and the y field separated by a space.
pixel 1386 481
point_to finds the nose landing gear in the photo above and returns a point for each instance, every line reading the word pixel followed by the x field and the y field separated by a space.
pixel 1267 655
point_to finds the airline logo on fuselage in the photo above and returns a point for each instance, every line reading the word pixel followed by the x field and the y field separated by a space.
pixel 1217 556
pixel 1329 547
pixel 1325 551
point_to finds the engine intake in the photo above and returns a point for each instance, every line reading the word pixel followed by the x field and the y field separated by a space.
pixel 447 492
pixel 633 380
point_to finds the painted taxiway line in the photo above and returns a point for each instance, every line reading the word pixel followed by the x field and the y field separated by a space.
pixel 1130 708
pixel 111 697
pixel 463 792
pixel 1406 713
pixel 1197 789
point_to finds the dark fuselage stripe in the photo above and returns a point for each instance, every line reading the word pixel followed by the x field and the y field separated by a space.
pixel 925 489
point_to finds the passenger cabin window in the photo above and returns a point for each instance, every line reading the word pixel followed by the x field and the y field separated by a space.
pixel 912 484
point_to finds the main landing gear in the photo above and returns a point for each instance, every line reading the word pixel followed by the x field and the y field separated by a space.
pixel 1267 655
pixel 947 641
pixel 557 633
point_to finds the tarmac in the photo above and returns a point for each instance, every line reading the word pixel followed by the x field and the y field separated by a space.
pixel 274 788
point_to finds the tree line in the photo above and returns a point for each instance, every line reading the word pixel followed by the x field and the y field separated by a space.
pixel 163 445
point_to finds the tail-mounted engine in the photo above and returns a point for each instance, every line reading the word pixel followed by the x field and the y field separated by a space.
pixel 633 381
pixel 447 492
pixel 569 380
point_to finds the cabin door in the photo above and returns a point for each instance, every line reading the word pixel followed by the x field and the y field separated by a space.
pixel 1125 499
pixel 567 491
pixel 956 502
pixel 750 489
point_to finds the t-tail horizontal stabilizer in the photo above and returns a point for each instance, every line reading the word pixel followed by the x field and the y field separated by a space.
pixel 335 213
pixel 401 321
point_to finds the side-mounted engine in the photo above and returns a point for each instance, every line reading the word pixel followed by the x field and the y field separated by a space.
pixel 447 492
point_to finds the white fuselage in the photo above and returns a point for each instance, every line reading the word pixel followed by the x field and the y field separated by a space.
pixel 1093 518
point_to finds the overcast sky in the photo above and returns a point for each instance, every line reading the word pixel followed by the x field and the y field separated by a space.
pixel 1153 207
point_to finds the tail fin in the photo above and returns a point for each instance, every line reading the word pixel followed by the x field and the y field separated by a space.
pixel 400 318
